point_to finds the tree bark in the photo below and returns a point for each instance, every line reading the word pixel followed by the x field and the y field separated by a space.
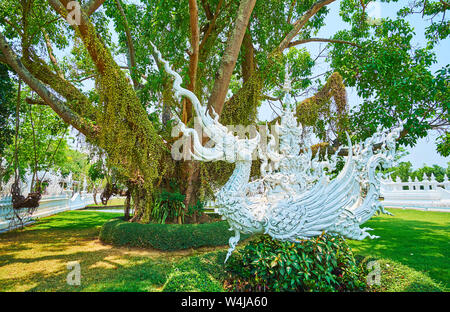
pixel 190 168
pixel 299 24
pixel 228 62
pixel 95 196
pixel 130 45
pixel 92 6
pixel 127 206
pixel 248 65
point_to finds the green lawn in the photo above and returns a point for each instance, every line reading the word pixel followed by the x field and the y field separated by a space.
pixel 418 239
pixel 35 258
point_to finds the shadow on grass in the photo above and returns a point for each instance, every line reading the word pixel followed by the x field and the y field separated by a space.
pixel 99 272
pixel 36 258
pixel 57 232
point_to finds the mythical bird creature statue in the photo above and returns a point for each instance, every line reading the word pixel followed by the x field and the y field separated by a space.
pixel 295 198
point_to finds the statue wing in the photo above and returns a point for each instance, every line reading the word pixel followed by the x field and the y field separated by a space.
pixel 316 210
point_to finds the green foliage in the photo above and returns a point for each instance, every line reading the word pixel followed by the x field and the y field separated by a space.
pixel 96 171
pixel 443 144
pixel 6 108
pixel 393 76
pixel 404 171
pixel 168 206
pixel 325 263
pixel 73 162
pixel 439 28
pixel 165 236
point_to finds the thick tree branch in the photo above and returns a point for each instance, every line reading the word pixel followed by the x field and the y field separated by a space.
pixel 248 52
pixel 79 103
pixel 211 25
pixel 194 54
pixel 92 6
pixel 299 24
pixel 207 9
pixel 195 39
pixel 303 41
pixel 98 52
pixel 51 55
pixel 32 101
pixel 118 94
pixel 57 105
pixel 130 45
pixel 222 82
pixel 191 169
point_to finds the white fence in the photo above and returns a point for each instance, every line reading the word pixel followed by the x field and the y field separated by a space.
pixel 426 194
pixel 48 205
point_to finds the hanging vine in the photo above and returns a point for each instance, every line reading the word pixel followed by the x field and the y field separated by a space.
pixel 319 110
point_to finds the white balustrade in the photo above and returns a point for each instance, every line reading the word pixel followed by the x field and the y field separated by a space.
pixel 425 194
pixel 55 198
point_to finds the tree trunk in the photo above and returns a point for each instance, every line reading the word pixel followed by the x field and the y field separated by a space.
pixel 142 204
pixel 192 186
pixel 229 58
pixel 127 206
pixel 95 196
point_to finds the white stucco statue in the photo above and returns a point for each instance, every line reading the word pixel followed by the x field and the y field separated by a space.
pixel 295 198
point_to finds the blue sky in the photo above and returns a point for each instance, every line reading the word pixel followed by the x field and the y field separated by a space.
pixel 425 151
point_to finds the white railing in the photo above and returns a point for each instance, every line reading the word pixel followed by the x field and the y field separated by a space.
pixel 48 205
pixel 426 194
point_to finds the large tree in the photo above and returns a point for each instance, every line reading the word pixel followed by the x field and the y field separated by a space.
pixel 232 54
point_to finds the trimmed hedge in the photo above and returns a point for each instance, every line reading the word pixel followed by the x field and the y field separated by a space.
pixel 166 237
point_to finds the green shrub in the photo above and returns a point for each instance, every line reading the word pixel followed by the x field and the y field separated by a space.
pixel 165 236
pixel 167 206
pixel 325 263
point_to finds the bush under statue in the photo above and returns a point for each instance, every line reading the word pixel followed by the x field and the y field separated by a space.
pixel 294 199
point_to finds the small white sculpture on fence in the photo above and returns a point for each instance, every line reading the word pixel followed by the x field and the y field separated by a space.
pixel 54 184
